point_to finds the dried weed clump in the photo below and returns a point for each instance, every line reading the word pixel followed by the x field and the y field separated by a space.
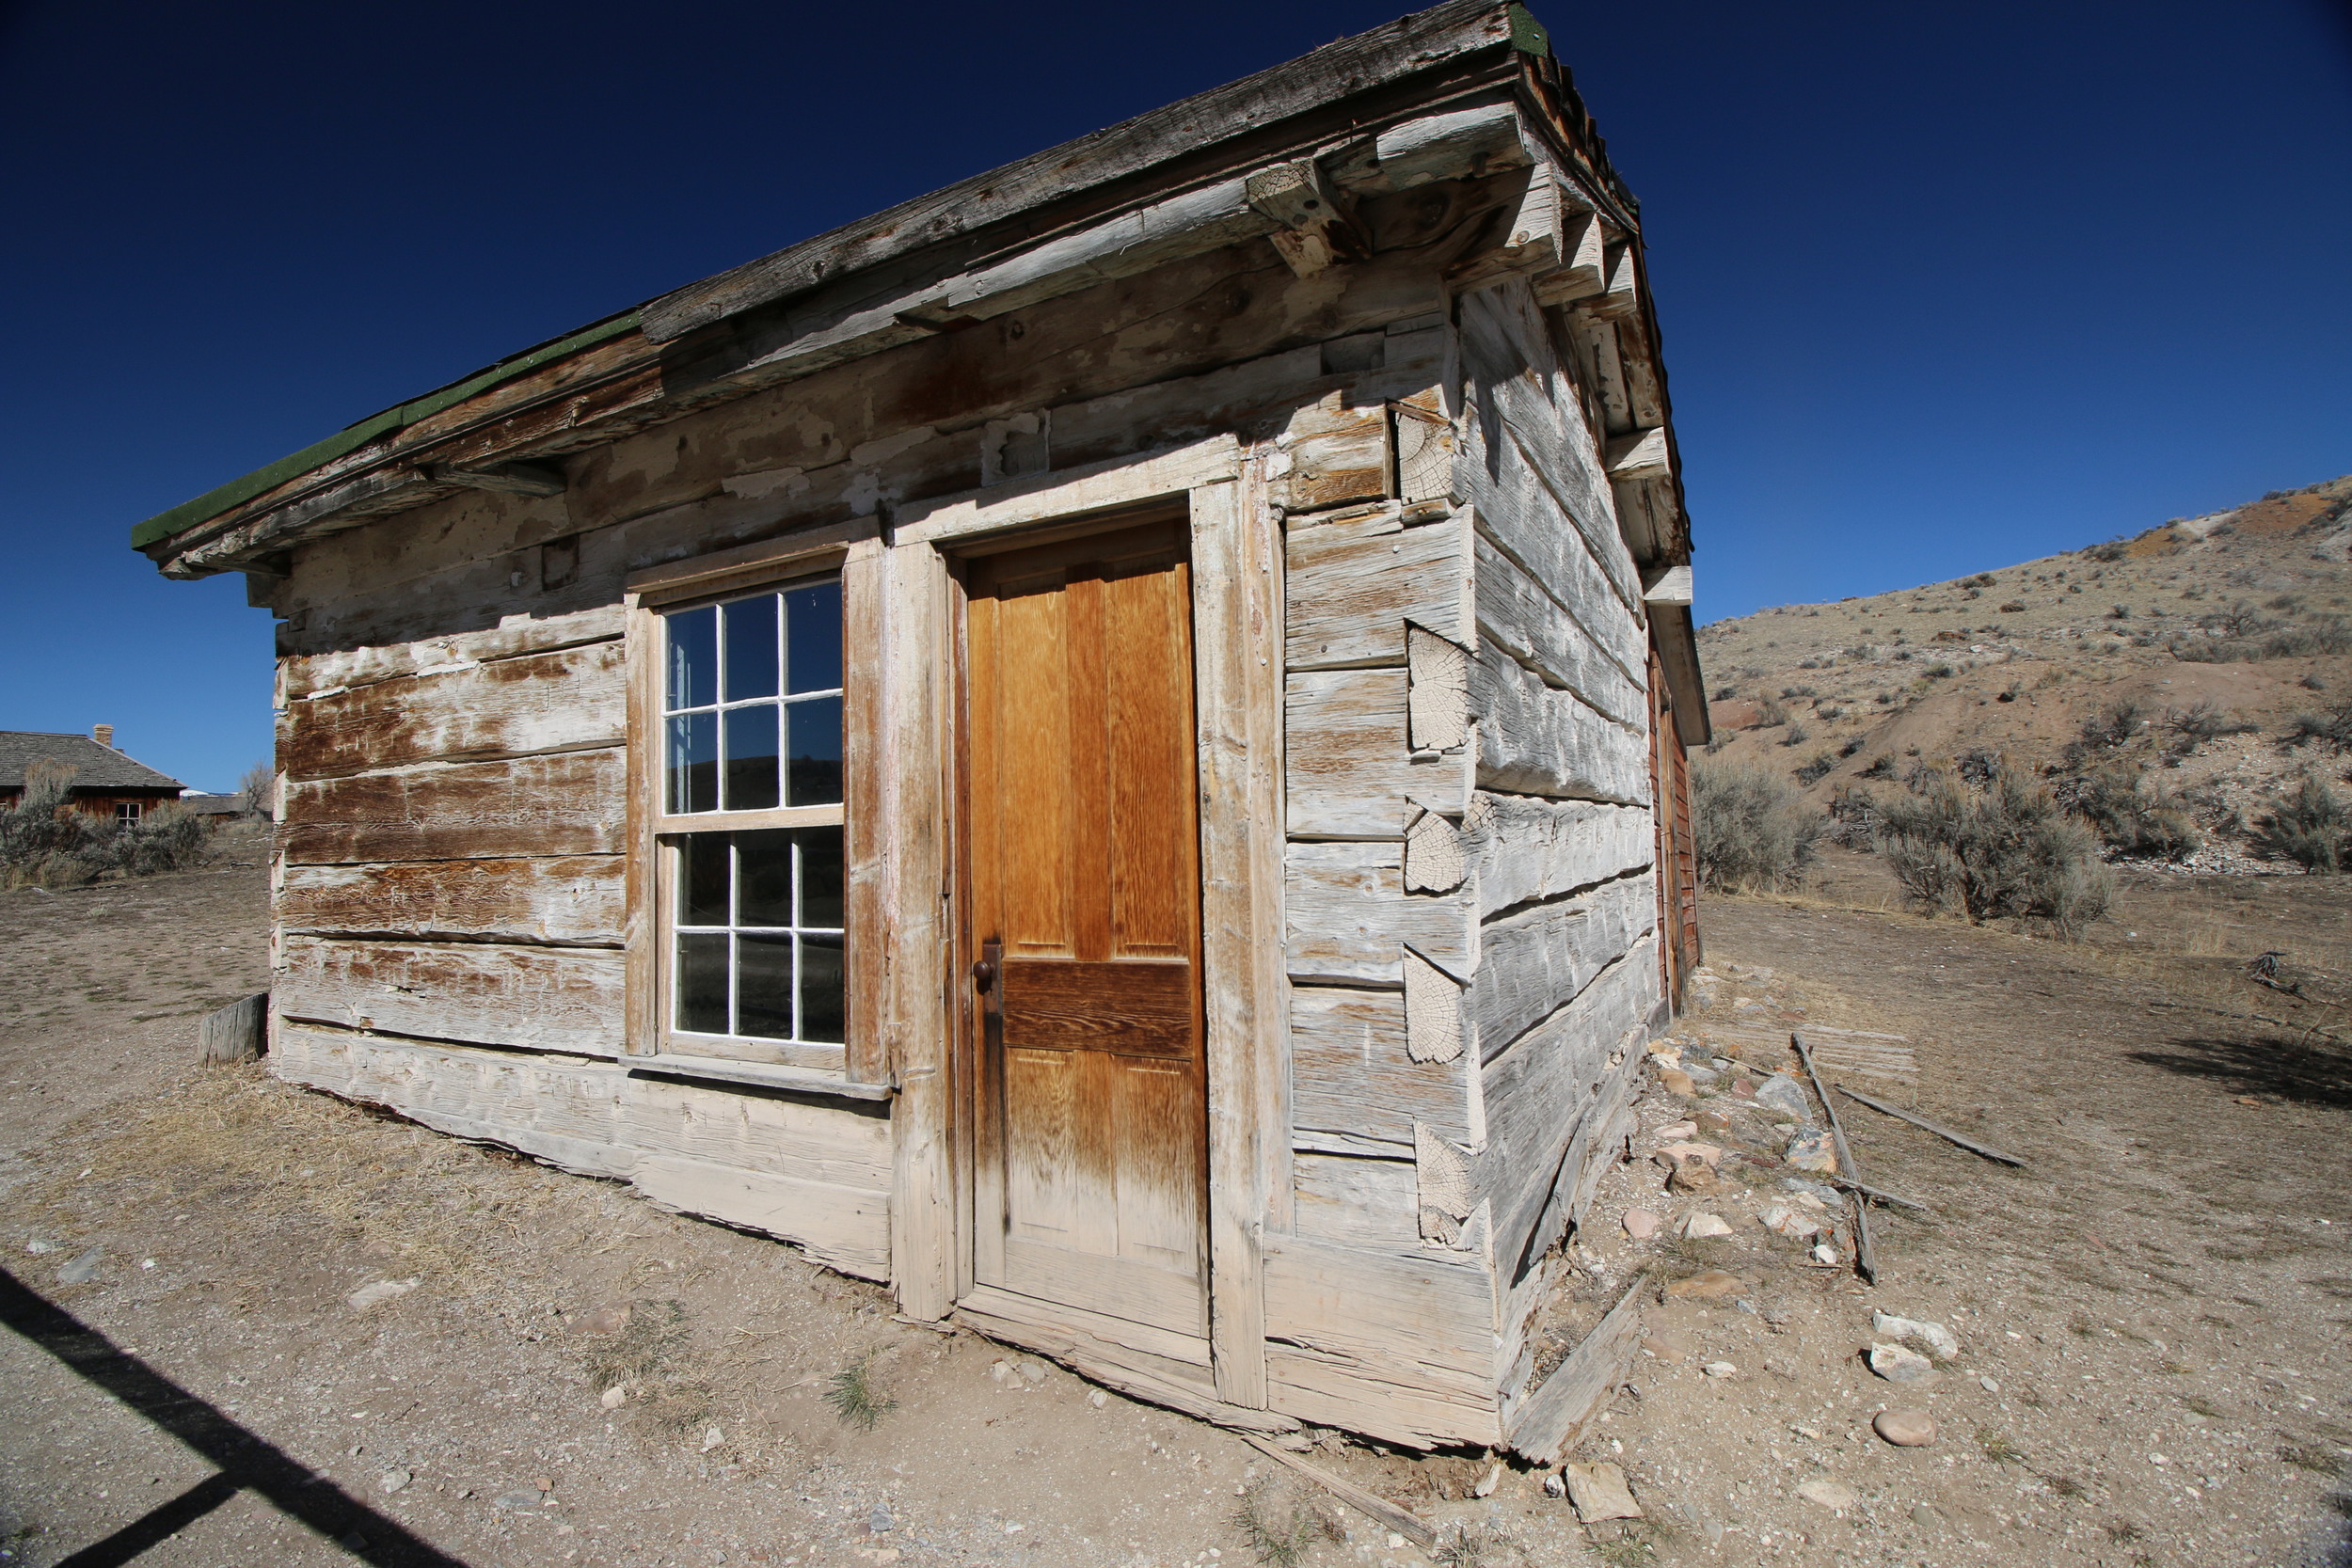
pixel 1282 1521
pixel 856 1396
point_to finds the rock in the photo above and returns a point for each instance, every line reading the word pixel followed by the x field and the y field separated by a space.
pixel 1640 1224
pixel 1674 1133
pixel 604 1320
pixel 379 1292
pixel 1488 1482
pixel 392 1481
pixel 1924 1514
pixel 517 1500
pixel 1811 1149
pixel 1743 1088
pixel 1683 1150
pixel 1988 1385
pixel 1032 1372
pixel 1719 1369
pixel 880 1520
pixel 1702 1225
pixel 1830 1494
pixel 1691 1176
pixel 1905 1429
pixel 1698 1074
pixel 1901 1363
pixel 1711 1286
pixel 613 1397
pixel 1098 1399
pixel 1676 1080
pixel 1665 1346
pixel 713 1438
pixel 1713 1123
pixel 1782 1220
pixel 40 1244
pixel 1933 1339
pixel 1555 1486
pixel 1783 1093
pixel 1598 1491
pixel 83 1269
pixel 1000 1370
pixel 1824 1255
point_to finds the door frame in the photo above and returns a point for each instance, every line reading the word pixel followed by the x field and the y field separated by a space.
pixel 1237 704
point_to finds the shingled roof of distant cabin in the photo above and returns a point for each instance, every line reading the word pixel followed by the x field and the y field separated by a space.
pixel 95 766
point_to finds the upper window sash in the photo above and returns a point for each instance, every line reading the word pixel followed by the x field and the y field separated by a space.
pixel 749 713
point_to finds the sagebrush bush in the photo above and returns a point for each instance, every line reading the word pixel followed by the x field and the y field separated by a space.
pixel 1750 828
pixel 2312 828
pixel 2006 849
pixel 2331 728
pixel 2129 815
pixel 45 842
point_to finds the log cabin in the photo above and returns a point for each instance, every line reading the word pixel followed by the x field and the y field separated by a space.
pixel 1103 747
pixel 102 782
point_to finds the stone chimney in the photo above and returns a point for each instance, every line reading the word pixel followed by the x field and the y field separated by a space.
pixel 103 734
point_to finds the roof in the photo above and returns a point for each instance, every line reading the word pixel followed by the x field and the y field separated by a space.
pixel 213 806
pixel 656 359
pixel 95 766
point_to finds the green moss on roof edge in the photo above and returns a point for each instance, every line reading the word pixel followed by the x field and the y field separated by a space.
pixel 204 508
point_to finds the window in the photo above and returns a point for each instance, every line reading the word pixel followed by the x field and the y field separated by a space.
pixel 127 813
pixel 750 827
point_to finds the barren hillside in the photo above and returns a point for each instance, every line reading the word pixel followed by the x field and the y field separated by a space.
pixel 2210 656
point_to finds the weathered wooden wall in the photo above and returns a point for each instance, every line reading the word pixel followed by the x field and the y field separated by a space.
pixel 1469 892
pixel 1471 902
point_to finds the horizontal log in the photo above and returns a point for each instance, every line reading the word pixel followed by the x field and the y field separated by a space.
pixel 1537 740
pixel 1539 1092
pixel 1517 615
pixel 571 699
pixel 1400 1346
pixel 568 1113
pixel 1349 916
pixel 1355 1082
pixel 1533 962
pixel 1350 586
pixel 843 1227
pixel 538 998
pixel 1515 380
pixel 1350 770
pixel 1520 848
pixel 1359 1201
pixel 567 899
pixel 722 1124
pixel 570 803
pixel 1336 452
pixel 303 676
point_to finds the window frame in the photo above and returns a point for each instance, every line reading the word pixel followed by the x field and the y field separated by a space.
pixel 658 835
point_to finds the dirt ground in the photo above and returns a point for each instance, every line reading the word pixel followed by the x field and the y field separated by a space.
pixel 402 1346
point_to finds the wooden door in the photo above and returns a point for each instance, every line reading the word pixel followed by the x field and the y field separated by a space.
pixel 1084 891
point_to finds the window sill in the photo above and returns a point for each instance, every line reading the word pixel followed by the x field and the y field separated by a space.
pixel 800 1080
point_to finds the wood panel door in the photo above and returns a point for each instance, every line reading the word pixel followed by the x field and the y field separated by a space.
pixel 1084 899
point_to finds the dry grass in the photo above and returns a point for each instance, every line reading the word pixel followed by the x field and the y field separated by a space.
pixel 1282 1520
pixel 856 1397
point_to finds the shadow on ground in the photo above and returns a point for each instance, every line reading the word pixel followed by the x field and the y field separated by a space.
pixel 2307 1070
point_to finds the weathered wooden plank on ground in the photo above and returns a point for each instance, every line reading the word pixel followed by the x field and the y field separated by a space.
pixel 1551 1419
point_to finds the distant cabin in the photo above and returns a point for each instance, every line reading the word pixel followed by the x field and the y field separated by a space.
pixel 1104 747
pixel 105 783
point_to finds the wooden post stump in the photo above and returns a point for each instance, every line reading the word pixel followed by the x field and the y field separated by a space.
pixel 237 1033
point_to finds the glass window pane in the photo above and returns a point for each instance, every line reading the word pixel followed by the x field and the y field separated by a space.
pixel 702 984
pixel 694 657
pixel 820 877
pixel 815 752
pixel 813 619
pixel 752 648
pixel 763 1006
pixel 694 762
pixel 763 897
pixel 702 880
pixel 823 1006
pixel 751 758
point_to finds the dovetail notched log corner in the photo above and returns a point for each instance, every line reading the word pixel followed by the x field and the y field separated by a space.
pixel 1106 746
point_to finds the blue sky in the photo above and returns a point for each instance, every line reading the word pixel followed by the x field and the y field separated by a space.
pixel 1943 287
